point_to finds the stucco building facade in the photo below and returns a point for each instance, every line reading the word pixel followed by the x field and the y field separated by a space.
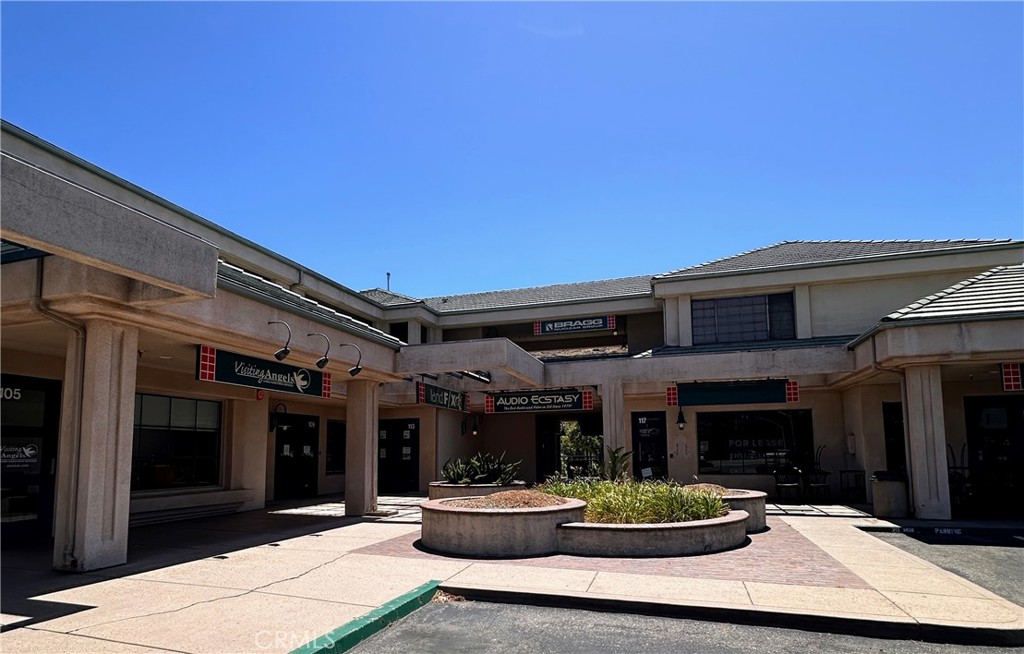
pixel 140 381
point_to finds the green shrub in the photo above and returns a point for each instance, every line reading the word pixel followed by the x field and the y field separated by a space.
pixel 481 468
pixel 637 502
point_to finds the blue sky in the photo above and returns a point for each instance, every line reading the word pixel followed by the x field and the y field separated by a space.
pixel 466 147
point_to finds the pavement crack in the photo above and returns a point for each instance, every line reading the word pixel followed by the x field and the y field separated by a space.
pixel 211 600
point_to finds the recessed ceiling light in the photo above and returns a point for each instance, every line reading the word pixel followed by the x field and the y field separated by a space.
pixel 166 356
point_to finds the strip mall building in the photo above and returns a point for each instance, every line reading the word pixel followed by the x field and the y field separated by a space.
pixel 140 381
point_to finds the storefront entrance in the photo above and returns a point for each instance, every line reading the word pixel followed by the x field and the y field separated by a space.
pixel 398 457
pixel 995 445
pixel 569 444
pixel 30 419
pixel 650 446
pixel 296 458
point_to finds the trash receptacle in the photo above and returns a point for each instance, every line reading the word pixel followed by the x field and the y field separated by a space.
pixel 889 494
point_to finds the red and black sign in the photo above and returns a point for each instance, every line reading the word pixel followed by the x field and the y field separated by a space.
pixel 230 368
pixel 566 399
pixel 441 397
pixel 569 325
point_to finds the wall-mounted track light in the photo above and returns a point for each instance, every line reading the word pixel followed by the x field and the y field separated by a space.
pixel 284 351
pixel 325 359
pixel 356 369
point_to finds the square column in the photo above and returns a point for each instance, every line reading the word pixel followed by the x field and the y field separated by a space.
pixel 94 475
pixel 613 415
pixel 926 442
pixel 361 447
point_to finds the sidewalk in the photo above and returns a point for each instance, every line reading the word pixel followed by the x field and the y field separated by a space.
pixel 312 571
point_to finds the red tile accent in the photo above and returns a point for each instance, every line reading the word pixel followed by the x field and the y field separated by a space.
pixel 489 404
pixel 588 400
pixel 326 392
pixel 207 363
pixel 1012 377
pixel 421 393
pixel 792 391
pixel 536 328
pixel 611 322
pixel 672 395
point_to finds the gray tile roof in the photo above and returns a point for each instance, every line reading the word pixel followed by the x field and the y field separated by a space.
pixel 997 292
pixel 558 293
pixel 265 291
pixel 819 253
pixel 388 298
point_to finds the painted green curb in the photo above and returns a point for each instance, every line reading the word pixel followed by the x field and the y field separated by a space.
pixel 352 633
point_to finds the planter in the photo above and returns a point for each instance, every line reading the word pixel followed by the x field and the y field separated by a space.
pixel 663 539
pixel 495 532
pixel 441 490
pixel 752 502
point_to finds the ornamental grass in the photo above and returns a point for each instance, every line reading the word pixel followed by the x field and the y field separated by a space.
pixel 638 502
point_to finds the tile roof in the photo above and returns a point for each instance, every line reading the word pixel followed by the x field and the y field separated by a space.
pixel 268 292
pixel 817 253
pixel 622 287
pixel 999 291
pixel 388 298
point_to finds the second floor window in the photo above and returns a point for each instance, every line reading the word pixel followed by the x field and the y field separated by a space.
pixel 743 319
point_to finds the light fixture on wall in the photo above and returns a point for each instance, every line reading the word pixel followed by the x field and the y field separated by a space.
pixel 279 410
pixel 325 359
pixel 356 369
pixel 473 428
pixel 284 351
pixel 681 420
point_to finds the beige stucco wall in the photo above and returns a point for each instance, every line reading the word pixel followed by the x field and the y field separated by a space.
pixel 853 307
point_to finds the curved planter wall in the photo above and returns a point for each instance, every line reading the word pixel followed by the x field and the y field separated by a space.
pixel 439 490
pixel 750 501
pixel 665 539
pixel 495 532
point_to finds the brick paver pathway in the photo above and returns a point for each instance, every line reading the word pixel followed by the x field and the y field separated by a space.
pixel 780 555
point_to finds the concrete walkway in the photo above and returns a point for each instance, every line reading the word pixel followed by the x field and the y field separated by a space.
pixel 269 581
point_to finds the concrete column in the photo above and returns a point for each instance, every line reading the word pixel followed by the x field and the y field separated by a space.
pixel 613 413
pixel 248 455
pixel 414 333
pixel 802 309
pixel 670 319
pixel 926 442
pixel 361 448
pixel 94 480
pixel 685 320
pixel 435 335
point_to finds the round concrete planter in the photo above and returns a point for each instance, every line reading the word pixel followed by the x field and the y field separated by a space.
pixel 750 501
pixel 495 532
pixel 442 490
pixel 664 539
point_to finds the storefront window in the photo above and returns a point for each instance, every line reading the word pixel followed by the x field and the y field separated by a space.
pixel 177 443
pixel 754 442
pixel 335 447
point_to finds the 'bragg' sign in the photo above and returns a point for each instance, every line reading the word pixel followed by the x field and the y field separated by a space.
pixel 593 323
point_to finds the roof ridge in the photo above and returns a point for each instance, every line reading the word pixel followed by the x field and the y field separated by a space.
pixel 721 259
pixel 938 295
pixel 390 292
pixel 961 242
pixel 530 288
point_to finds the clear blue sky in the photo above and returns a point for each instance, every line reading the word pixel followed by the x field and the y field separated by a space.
pixel 468 147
